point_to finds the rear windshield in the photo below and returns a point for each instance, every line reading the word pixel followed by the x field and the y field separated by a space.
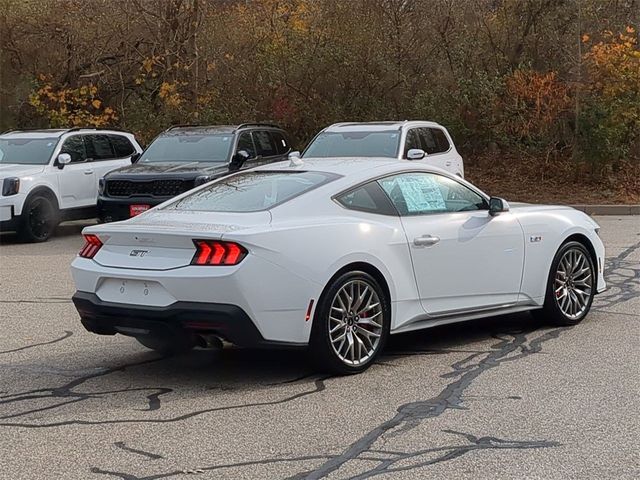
pixel 189 148
pixel 252 191
pixel 27 151
pixel 354 144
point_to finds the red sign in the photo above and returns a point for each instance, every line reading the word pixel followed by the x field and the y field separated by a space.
pixel 137 209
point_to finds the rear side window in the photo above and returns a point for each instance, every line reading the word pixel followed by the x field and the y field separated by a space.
pixel 368 198
pixel 74 146
pixel 252 191
pixel 99 147
pixel 121 146
pixel 282 145
pixel 264 144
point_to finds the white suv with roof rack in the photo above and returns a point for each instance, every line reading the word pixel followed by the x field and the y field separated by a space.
pixel 421 141
pixel 48 176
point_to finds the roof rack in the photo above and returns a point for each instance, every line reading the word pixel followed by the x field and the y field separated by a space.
pixel 182 126
pixel 115 129
pixel 258 124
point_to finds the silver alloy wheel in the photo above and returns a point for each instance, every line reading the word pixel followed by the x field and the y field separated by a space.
pixel 355 322
pixel 573 283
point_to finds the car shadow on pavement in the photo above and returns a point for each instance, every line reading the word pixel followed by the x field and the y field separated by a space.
pixel 73 387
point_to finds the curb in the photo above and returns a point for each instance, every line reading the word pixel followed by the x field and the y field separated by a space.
pixel 609 209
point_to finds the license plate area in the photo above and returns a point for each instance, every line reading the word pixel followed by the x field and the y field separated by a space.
pixel 138 209
pixel 134 292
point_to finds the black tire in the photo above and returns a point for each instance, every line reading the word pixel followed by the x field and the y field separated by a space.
pixel 552 312
pixel 167 345
pixel 39 219
pixel 322 350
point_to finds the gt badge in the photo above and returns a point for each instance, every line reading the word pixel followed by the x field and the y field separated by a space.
pixel 535 238
pixel 138 253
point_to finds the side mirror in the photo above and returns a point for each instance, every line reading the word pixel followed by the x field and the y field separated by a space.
pixel 294 158
pixel 238 160
pixel 63 159
pixel 415 154
pixel 497 205
pixel 135 157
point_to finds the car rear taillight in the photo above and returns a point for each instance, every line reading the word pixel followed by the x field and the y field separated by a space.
pixel 91 246
pixel 216 252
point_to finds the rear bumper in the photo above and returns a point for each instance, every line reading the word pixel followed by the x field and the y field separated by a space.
pixel 227 321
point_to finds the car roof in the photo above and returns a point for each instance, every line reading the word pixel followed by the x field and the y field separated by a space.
pixel 57 132
pixel 378 126
pixel 215 129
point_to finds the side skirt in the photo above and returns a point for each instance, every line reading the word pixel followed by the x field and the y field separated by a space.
pixel 429 322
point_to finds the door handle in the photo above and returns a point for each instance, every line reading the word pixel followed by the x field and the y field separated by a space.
pixel 426 240
pixel 88 172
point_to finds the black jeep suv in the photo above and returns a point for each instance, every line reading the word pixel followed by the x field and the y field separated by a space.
pixel 184 157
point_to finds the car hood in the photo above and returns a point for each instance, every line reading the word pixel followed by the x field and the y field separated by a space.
pixel 180 169
pixel 16 170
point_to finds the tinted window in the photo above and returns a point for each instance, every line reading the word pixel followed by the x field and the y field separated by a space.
pixel 442 143
pixel 27 151
pixel 99 147
pixel 282 145
pixel 412 141
pixel 354 144
pixel 246 143
pixel 367 198
pixel 189 148
pixel 74 146
pixel 122 146
pixel 252 191
pixel 264 144
pixel 427 141
pixel 423 193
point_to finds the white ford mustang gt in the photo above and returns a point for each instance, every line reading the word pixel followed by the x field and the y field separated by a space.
pixel 333 255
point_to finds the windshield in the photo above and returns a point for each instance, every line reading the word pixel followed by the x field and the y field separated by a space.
pixel 189 148
pixel 252 191
pixel 27 151
pixel 354 144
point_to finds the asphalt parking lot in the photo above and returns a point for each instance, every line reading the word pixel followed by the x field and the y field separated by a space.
pixel 498 398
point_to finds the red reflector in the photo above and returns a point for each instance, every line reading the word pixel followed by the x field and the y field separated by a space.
pixel 215 252
pixel 308 315
pixel 91 246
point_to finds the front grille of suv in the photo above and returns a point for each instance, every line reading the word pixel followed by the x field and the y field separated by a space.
pixel 155 188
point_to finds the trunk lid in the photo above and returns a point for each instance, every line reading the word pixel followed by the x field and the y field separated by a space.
pixel 163 240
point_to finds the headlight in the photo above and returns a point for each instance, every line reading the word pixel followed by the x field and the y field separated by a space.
pixel 101 186
pixel 10 186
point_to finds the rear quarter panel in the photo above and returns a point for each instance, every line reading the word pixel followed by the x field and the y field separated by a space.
pixel 315 249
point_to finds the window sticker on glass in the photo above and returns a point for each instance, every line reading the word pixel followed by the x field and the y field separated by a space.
pixel 420 192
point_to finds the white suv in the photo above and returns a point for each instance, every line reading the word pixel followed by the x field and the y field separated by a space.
pixel 421 141
pixel 48 176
